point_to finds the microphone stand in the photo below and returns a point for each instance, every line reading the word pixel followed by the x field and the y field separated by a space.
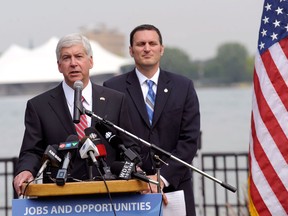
pixel 158 163
pixel 90 168
pixel 157 149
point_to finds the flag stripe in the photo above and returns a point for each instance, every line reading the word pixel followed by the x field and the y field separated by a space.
pixel 279 55
pixel 260 205
pixel 275 77
pixel 284 44
pixel 271 176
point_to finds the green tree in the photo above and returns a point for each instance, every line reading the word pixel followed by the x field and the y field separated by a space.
pixel 250 68
pixel 230 64
pixel 178 61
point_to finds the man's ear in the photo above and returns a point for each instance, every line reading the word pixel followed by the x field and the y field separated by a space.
pixel 58 64
pixel 162 50
pixel 91 62
pixel 131 51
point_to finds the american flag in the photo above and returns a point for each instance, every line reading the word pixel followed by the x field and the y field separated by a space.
pixel 268 151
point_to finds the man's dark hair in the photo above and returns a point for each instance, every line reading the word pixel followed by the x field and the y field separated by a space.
pixel 145 27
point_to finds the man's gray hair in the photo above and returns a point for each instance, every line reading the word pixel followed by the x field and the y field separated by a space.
pixel 73 39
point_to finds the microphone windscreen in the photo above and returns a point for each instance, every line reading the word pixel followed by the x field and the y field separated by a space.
pixel 108 134
pixel 123 169
pixel 90 130
pixel 55 157
pixel 86 148
pixel 78 84
pixel 49 149
pixel 82 141
pixel 116 167
pixel 72 138
pixel 51 153
pixel 71 142
pixel 92 134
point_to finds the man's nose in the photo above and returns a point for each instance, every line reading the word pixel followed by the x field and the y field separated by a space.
pixel 73 61
pixel 147 47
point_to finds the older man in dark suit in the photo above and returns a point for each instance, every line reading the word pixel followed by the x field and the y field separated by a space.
pixel 165 113
pixel 48 116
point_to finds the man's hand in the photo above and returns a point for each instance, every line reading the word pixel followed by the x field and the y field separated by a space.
pixel 154 188
pixel 25 176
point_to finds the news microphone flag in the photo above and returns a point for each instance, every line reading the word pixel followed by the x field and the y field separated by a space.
pixel 88 149
pixel 268 149
pixel 70 147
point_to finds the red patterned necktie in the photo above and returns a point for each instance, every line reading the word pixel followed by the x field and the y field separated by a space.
pixel 82 125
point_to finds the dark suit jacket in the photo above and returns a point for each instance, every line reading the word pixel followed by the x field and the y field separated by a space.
pixel 176 121
pixel 48 121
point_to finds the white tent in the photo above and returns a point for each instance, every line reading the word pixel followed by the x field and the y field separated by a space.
pixel 20 65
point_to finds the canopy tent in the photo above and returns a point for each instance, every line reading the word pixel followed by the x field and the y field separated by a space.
pixel 21 65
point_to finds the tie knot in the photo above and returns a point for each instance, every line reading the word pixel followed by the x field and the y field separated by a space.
pixel 150 83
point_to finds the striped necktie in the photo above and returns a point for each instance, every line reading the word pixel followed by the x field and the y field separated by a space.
pixel 150 100
pixel 82 125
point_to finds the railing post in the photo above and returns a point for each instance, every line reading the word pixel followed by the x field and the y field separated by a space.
pixel 15 161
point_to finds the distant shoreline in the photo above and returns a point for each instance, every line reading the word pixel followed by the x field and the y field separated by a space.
pixel 14 89
pixel 232 85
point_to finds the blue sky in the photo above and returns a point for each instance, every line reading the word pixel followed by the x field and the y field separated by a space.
pixel 198 27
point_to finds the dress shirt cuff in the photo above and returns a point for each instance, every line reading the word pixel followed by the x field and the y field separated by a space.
pixel 166 183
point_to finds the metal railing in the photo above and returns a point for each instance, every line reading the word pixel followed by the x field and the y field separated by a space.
pixel 7 167
pixel 211 199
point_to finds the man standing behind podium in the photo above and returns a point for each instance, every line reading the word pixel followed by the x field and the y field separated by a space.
pixel 48 116
pixel 175 120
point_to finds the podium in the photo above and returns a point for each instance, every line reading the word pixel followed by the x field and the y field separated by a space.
pixel 82 188
pixel 88 198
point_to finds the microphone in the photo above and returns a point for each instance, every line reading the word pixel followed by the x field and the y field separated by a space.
pixel 78 86
pixel 102 154
pixel 88 149
pixel 93 135
pixel 116 141
pixel 126 170
pixel 70 145
pixel 49 156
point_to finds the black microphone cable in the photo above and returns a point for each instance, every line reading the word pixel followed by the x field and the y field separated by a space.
pixel 109 194
pixel 100 173
pixel 26 186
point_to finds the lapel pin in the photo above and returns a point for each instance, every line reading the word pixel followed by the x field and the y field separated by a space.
pixel 165 90
pixel 102 98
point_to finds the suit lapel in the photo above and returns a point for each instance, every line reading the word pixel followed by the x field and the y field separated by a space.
pixel 164 88
pixel 136 94
pixel 59 105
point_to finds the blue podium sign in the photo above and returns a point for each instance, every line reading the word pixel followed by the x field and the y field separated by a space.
pixel 124 205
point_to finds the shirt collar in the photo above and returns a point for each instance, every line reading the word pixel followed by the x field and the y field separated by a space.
pixel 69 93
pixel 142 79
